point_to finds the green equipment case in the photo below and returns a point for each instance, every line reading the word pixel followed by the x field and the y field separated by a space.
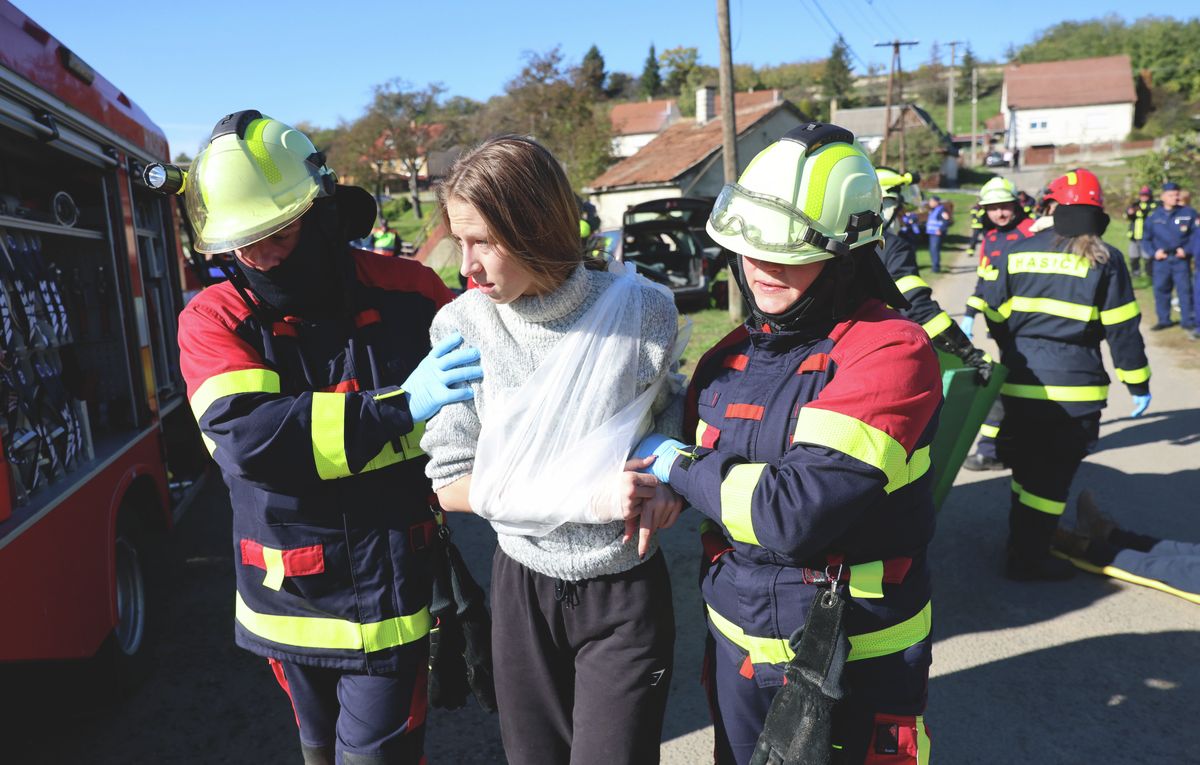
pixel 964 409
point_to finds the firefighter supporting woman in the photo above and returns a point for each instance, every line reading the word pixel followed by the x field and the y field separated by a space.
pixel 812 427
pixel 311 376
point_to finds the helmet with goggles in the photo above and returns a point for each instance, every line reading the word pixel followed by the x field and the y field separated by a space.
pixel 899 189
pixel 810 196
pixel 255 176
pixel 997 191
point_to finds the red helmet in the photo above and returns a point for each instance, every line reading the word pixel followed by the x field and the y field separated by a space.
pixel 1078 187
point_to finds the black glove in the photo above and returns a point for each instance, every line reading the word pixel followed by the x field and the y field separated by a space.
pixel 448 687
pixel 954 341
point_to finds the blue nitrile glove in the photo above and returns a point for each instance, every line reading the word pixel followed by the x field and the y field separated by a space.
pixel 428 387
pixel 665 449
pixel 967 323
pixel 1140 405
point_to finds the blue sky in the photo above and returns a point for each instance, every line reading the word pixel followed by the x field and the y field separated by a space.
pixel 188 63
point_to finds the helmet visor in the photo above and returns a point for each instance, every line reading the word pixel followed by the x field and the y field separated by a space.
pixel 765 222
pixel 237 195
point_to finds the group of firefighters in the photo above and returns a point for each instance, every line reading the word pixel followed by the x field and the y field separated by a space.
pixel 805 443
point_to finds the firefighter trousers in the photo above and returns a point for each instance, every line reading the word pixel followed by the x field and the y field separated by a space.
pixel 861 736
pixel 599 651
pixel 358 719
pixel 1044 446
pixel 1173 273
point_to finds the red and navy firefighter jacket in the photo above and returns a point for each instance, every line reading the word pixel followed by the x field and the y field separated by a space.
pixel 994 243
pixel 331 520
pixel 899 257
pixel 813 462
pixel 1048 310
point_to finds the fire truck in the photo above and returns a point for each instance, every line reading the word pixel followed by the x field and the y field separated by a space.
pixel 99 450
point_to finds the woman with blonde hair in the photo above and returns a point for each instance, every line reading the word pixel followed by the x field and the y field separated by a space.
pixel 1057 294
pixel 583 627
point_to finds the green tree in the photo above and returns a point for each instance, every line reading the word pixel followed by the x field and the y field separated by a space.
pixel 1179 161
pixel 412 127
pixel 591 72
pixel 838 79
pixel 650 83
pixel 679 63
pixel 924 151
pixel 969 62
pixel 620 85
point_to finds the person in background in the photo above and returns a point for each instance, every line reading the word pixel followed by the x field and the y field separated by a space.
pixel 311 377
pixel 977 215
pixel 1136 214
pixel 937 225
pixel 583 628
pixel 385 240
pixel 1055 295
pixel 812 424
pixel 1168 233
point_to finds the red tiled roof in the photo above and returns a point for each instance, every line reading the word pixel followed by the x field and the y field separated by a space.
pixel 995 123
pixel 641 116
pixel 684 145
pixel 1082 82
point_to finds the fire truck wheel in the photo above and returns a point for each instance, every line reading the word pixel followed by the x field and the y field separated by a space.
pixel 125 653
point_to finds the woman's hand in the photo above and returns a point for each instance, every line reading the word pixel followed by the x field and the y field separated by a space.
pixel 658 512
pixel 633 489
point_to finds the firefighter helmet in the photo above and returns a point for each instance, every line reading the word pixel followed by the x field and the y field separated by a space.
pixel 810 196
pixel 997 191
pixel 255 176
pixel 898 189
pixel 1078 187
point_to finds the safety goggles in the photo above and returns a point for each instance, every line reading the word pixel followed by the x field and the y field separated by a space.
pixel 773 225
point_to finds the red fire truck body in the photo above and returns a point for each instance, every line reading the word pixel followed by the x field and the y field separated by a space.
pixel 100 446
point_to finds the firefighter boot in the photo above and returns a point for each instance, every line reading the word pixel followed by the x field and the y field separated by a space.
pixel 1029 534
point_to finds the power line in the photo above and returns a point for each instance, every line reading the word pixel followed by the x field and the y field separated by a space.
pixel 838 32
pixel 894 19
pixel 878 27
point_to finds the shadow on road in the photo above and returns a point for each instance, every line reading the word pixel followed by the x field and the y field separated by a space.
pixel 1180 427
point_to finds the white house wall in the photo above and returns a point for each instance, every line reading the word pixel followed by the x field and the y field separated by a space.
pixel 610 206
pixel 1073 124
pixel 628 145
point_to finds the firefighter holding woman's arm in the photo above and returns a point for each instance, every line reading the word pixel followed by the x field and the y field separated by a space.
pixel 310 374
pixel 812 424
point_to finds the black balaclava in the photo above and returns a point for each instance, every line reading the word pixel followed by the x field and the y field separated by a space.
pixel 1077 220
pixel 842 286
pixel 1016 220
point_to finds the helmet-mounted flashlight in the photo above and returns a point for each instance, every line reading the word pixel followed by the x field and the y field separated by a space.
pixel 164 178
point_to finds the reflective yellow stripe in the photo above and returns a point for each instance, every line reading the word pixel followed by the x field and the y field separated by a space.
pixel 869 645
pixel 320 632
pixel 834 430
pixel 898 637
pixel 937 325
pixel 389 394
pixel 866 580
pixel 819 177
pixel 273 558
pixel 329 440
pixel 1121 313
pixel 1056 392
pixel 1076 311
pixel 1048 506
pixel 258 150
pixel 922 742
pixel 230 384
pixel 1117 573
pixel 1133 376
pixel 1061 263
pixel 701 426
pixel 999 316
pixel 909 283
pixel 737 493
pixel 990 431
pixel 977 303
pixel 329 435
pixel 987 273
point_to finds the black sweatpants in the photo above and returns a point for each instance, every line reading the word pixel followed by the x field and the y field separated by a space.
pixel 582 668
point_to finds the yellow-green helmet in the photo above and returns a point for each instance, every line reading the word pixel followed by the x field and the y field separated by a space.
pixel 997 191
pixel 255 176
pixel 898 188
pixel 810 196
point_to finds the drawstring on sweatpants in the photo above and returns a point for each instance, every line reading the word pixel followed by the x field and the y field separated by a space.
pixel 566 592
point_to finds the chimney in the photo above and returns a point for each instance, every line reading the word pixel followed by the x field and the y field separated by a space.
pixel 706 104
pixel 833 111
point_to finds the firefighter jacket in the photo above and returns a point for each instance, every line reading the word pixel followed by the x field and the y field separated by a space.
pixel 313 436
pixel 1048 310
pixel 1170 229
pixel 977 216
pixel 995 241
pixel 899 257
pixel 812 464
pixel 1136 214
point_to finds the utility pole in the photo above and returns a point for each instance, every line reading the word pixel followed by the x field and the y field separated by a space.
pixel 974 115
pixel 893 70
pixel 950 91
pixel 737 308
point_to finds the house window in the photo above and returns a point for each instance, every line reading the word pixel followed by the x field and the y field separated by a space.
pixel 1033 125
pixel 1043 123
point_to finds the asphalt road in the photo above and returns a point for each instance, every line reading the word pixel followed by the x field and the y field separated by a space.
pixel 1084 671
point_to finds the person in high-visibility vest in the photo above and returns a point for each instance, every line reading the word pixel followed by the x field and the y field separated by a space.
pixel 310 375
pixel 385 240
pixel 813 422
pixel 1053 298
pixel 1136 213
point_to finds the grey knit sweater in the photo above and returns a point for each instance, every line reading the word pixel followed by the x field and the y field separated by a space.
pixel 513 339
